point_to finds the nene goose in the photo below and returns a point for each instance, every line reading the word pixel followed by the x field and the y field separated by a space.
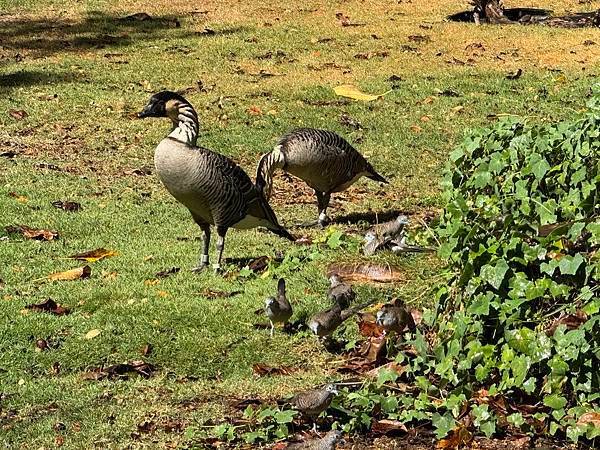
pixel 214 189
pixel 323 159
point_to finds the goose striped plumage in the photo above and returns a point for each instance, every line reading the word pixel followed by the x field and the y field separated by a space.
pixel 215 190
pixel 323 159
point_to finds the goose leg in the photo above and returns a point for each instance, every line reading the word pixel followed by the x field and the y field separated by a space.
pixel 203 260
pixel 323 202
pixel 221 231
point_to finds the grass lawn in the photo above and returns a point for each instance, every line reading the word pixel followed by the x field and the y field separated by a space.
pixel 80 72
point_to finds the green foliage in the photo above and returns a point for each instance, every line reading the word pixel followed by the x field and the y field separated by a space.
pixel 517 316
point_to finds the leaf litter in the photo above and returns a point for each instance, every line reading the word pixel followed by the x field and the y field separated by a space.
pixel 78 273
pixel 94 255
pixel 27 232
pixel 49 306
pixel 120 371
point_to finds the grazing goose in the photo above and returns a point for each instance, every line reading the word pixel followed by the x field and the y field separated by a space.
pixel 323 159
pixel 278 309
pixel 215 190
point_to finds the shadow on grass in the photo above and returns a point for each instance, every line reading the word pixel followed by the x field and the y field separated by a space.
pixel 371 217
pixel 27 77
pixel 45 37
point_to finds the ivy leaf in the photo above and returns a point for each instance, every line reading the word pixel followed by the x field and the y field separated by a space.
pixel 568 265
pixel 495 274
pixel 443 424
pixel 286 416
pixel 555 401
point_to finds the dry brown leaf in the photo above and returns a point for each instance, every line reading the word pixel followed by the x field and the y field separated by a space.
pixel 262 370
pixel 17 114
pixel 146 349
pixel 366 273
pixel 373 349
pixel 49 306
pixel 459 437
pixel 94 255
pixel 17 197
pixel 121 371
pixel 67 206
pixel 391 367
pixel 165 273
pixel 387 426
pixel 590 417
pixel 367 326
pixel 351 91
pixel 32 233
pixel 210 293
pixel 254 111
pixel 572 322
pixel 70 275
pixel 415 128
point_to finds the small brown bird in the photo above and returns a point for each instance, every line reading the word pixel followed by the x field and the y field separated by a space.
pixel 326 322
pixel 395 317
pixel 382 234
pixel 327 442
pixel 312 403
pixel 340 292
pixel 278 309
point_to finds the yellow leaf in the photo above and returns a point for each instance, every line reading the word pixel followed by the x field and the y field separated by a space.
pixel 162 293
pixel 152 282
pixel 73 274
pixel 92 333
pixel 351 91
pixel 94 255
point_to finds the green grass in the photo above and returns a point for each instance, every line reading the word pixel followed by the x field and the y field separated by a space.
pixel 204 348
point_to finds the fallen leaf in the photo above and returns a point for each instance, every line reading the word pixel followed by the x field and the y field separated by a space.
pixel 120 371
pixel 49 306
pixel 374 349
pixel 367 326
pixel 590 417
pixel 459 437
pixel 142 172
pixel 262 370
pixel 390 367
pixel 137 17
pixel 351 91
pixel 304 240
pixel 92 334
pixel 416 128
pixel 458 109
pixel 67 206
pixel 165 273
pixel 387 426
pixel 17 197
pixel 17 114
pixel 259 264
pixel 348 121
pixel 41 345
pixel 32 233
pixel 152 282
pixel 162 293
pixel 516 75
pixel 366 273
pixel 254 111
pixel 94 255
pixel 70 275
pixel 571 321
pixel 210 293
pixel 425 118
pixel 419 38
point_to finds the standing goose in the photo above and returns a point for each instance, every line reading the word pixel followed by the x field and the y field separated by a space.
pixel 323 159
pixel 214 189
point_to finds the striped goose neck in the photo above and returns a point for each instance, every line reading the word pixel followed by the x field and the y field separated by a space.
pixel 185 124
pixel 264 175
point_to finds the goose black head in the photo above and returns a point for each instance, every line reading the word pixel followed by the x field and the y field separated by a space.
pixel 161 104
